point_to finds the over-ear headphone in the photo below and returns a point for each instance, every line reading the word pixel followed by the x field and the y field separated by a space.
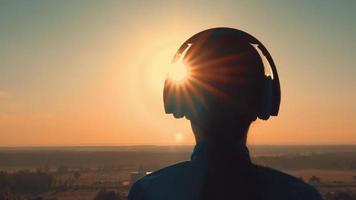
pixel 271 96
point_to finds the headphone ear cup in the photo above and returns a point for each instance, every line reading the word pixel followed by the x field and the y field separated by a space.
pixel 172 103
pixel 167 102
pixel 266 100
pixel 276 97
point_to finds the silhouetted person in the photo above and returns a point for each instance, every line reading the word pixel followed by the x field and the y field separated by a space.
pixel 225 90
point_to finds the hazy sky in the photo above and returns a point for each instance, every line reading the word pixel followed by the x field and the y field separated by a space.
pixel 91 72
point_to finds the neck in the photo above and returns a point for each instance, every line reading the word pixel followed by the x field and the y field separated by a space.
pixel 231 134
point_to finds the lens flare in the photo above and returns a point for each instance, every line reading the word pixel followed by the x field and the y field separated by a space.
pixel 178 72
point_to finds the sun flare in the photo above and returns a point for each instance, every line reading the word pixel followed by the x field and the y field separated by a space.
pixel 178 72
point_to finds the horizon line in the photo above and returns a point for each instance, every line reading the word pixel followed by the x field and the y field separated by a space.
pixel 152 145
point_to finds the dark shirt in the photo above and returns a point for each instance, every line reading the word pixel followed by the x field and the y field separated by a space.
pixel 184 181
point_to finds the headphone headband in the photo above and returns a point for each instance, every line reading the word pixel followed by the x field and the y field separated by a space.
pixel 276 90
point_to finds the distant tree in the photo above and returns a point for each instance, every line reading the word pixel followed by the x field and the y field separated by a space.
pixel 25 182
pixel 314 180
pixel 62 169
pixel 107 195
pixel 76 175
pixel 341 196
pixel 44 169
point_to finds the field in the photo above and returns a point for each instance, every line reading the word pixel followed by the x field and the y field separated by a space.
pixel 93 172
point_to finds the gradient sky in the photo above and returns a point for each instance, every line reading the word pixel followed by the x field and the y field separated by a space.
pixel 91 72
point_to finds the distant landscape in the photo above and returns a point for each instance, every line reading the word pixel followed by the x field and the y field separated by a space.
pixel 108 172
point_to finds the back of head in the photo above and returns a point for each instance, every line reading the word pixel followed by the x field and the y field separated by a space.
pixel 225 79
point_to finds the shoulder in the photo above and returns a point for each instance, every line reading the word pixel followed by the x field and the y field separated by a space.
pixel 280 184
pixel 167 173
pixel 162 180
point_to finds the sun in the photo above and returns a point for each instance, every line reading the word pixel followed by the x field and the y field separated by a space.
pixel 178 72
pixel 179 137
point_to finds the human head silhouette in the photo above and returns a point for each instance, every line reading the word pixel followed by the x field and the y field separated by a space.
pixel 226 85
pixel 221 86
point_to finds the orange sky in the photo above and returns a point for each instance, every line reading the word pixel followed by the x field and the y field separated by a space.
pixel 74 74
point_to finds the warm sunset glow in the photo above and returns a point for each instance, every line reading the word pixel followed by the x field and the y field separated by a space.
pixel 178 137
pixel 93 73
pixel 178 72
